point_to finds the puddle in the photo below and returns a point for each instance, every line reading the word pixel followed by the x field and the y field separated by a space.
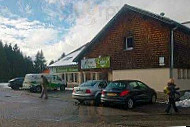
pixel 7 96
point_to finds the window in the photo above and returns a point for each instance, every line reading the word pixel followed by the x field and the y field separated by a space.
pixel 133 85
pixel 102 85
pixel 76 77
pixel 179 72
pixel 93 76
pixel 128 43
pixel 142 86
pixel 116 86
pixel 188 73
pixel 184 74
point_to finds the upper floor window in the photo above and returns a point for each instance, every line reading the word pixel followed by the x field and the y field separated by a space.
pixel 128 43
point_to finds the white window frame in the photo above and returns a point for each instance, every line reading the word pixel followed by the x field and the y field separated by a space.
pixel 126 43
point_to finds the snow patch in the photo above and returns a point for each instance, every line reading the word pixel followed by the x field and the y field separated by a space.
pixel 185 100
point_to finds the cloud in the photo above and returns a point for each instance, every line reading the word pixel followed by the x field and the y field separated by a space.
pixel 91 17
pixel 83 19
pixel 31 36
pixel 25 9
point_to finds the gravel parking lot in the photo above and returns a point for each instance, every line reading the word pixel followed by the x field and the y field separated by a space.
pixel 22 108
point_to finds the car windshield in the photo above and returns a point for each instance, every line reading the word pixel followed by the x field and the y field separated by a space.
pixel 116 85
pixel 88 83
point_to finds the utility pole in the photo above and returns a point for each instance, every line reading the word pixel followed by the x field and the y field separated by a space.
pixel 172 52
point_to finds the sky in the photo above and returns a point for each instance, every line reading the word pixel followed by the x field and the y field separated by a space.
pixel 57 26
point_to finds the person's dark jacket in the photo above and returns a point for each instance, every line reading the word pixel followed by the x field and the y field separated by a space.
pixel 173 91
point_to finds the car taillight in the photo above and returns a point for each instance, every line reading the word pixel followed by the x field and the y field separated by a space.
pixel 103 92
pixel 123 93
pixel 88 91
pixel 73 90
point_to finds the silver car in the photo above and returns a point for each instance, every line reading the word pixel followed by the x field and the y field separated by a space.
pixel 90 90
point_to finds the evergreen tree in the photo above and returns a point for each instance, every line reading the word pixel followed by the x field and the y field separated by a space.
pixel 63 55
pixel 13 63
pixel 52 62
pixel 3 63
pixel 40 62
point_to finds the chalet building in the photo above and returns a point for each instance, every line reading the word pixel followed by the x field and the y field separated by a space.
pixel 67 69
pixel 137 44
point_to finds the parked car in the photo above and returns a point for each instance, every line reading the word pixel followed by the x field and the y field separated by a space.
pixel 90 90
pixel 33 82
pixel 128 93
pixel 16 83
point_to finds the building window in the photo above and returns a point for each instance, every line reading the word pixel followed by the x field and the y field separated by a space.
pixel 184 74
pixel 94 76
pixel 76 77
pixel 179 73
pixel 128 43
pixel 188 73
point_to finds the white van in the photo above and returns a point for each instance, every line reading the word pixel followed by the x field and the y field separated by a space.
pixel 33 82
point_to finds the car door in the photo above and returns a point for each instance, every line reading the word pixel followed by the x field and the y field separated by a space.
pixel 145 91
pixel 135 92
pixel 20 82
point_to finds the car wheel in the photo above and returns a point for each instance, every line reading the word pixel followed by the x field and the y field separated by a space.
pixel 15 87
pixel 105 104
pixel 153 99
pixel 62 87
pixel 38 89
pixel 81 101
pixel 130 103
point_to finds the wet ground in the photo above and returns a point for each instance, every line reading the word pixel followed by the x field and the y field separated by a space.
pixel 22 108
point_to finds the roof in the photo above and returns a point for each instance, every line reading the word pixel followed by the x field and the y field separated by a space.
pixel 68 59
pixel 163 19
pixel 187 25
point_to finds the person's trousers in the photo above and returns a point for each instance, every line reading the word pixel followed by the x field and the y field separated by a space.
pixel 44 91
pixel 171 103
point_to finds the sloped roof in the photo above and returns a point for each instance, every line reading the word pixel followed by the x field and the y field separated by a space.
pixel 163 19
pixel 187 25
pixel 68 59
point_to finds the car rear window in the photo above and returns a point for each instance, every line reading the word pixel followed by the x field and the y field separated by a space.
pixel 116 85
pixel 88 83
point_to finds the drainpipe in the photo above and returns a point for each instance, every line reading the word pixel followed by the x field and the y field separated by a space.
pixel 172 52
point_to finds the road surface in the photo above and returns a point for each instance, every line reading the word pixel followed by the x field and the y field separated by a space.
pixel 24 109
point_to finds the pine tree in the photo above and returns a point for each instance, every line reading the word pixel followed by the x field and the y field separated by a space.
pixel 40 62
pixel 3 64
pixel 51 62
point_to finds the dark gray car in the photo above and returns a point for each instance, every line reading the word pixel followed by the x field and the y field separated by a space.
pixel 127 93
pixel 90 90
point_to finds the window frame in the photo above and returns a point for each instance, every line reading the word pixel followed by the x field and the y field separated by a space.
pixel 126 47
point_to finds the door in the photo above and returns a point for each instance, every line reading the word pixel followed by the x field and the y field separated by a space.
pixel 135 92
pixel 145 91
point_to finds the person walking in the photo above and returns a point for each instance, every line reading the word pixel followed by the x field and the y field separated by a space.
pixel 172 90
pixel 44 87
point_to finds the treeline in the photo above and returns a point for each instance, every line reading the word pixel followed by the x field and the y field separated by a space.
pixel 14 64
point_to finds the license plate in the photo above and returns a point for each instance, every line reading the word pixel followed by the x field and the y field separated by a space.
pixel 111 94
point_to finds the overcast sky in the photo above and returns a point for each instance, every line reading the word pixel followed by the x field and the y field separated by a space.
pixel 57 26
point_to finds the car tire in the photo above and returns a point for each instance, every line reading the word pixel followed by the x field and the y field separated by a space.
pixel 105 104
pixel 15 87
pixel 81 101
pixel 38 89
pixel 130 103
pixel 153 99
pixel 62 88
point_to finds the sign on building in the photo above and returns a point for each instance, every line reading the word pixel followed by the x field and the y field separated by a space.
pixel 102 62
pixel 161 61
pixel 66 69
